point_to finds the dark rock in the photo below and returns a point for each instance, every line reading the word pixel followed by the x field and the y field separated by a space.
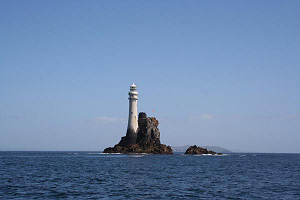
pixel 142 115
pixel 147 139
pixel 148 133
pixel 198 150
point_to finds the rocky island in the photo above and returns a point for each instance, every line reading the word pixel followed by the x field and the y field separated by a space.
pixel 147 139
pixel 142 134
pixel 192 150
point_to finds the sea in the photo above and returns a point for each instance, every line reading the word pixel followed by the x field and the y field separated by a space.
pixel 93 175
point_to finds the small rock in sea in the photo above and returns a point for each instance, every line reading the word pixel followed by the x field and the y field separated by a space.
pixel 192 150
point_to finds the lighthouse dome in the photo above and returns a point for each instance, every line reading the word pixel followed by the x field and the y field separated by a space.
pixel 133 86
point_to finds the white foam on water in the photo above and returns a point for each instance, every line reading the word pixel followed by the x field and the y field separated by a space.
pixel 108 156
pixel 94 153
pixel 203 155
pixel 136 156
pixel 110 153
pixel 210 155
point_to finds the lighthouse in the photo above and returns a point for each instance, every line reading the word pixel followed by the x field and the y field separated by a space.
pixel 142 134
pixel 132 118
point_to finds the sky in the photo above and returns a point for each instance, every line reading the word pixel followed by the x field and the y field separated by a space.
pixel 222 73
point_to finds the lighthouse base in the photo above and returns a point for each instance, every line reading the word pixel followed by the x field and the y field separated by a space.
pixel 129 139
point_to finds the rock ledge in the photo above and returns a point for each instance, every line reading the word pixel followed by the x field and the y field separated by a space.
pixel 146 140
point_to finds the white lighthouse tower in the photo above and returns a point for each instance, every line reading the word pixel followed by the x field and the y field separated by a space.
pixel 133 117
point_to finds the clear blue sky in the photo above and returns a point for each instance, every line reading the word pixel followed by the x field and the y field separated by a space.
pixel 223 73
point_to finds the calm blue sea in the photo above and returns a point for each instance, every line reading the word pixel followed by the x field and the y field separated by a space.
pixel 91 175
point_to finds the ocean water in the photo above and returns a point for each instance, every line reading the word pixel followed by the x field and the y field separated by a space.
pixel 91 175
